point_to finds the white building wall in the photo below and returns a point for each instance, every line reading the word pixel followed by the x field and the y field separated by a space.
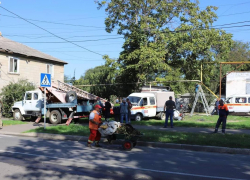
pixel 236 83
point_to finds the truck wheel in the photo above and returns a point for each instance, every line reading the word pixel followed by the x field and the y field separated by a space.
pixel 17 115
pixel 127 145
pixel 138 117
pixel 55 117
pixel 163 116
pixel 70 96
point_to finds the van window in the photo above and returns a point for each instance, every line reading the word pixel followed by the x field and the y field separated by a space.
pixel 28 96
pixel 35 97
pixel 240 100
pixel 249 100
pixel 144 102
pixel 152 100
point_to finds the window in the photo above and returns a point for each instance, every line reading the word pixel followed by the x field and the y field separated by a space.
pixel 152 100
pixel 145 101
pixel 13 65
pixel 35 97
pixel 50 69
pixel 248 100
pixel 28 96
pixel 240 100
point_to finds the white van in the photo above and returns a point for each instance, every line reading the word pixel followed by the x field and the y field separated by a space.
pixel 149 104
pixel 238 103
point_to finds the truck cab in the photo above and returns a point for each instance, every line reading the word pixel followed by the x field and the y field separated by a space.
pixel 149 104
pixel 31 105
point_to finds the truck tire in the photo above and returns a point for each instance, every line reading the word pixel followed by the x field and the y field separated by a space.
pixel 17 115
pixel 70 96
pixel 55 117
pixel 138 117
pixel 163 116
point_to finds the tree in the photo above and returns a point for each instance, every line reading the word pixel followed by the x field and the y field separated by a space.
pixel 12 93
pixel 101 77
pixel 162 35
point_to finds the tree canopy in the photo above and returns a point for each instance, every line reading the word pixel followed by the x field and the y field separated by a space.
pixel 162 36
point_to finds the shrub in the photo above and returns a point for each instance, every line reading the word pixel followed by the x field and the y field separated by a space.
pixel 12 93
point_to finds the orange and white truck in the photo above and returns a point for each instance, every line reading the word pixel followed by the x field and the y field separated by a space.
pixel 239 104
pixel 149 104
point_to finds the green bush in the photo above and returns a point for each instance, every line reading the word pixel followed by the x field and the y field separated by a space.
pixel 12 93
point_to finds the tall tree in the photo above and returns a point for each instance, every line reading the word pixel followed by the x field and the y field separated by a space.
pixel 162 35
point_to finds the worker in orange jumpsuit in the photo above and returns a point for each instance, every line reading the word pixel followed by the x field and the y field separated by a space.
pixel 94 123
pixel 223 113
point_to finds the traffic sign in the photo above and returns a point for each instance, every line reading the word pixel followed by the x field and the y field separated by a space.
pixel 45 80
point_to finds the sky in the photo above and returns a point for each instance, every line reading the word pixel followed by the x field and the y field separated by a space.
pixel 82 23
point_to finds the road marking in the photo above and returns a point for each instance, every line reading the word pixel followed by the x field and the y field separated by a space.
pixel 134 168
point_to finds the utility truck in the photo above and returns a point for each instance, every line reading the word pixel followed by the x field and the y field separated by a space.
pixel 61 102
pixel 149 104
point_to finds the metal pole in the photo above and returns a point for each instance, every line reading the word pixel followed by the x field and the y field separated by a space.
pixel 201 72
pixel 45 111
pixel 220 80
pixel 150 86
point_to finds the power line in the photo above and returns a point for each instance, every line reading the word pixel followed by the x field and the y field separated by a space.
pixel 49 42
pixel 51 32
pixel 231 23
pixel 234 14
pixel 50 22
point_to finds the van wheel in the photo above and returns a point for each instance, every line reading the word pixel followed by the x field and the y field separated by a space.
pixel 17 115
pixel 55 117
pixel 163 116
pixel 138 117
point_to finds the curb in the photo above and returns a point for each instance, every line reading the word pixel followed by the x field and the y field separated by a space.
pixel 139 143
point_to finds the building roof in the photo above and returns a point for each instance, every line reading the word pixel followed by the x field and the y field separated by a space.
pixel 10 46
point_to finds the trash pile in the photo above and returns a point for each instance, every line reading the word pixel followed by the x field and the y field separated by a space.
pixel 109 128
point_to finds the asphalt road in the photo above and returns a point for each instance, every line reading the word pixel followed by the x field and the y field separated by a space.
pixel 32 159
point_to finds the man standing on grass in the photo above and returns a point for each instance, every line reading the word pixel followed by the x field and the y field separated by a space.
pixel 169 109
pixel 223 113
pixel 129 110
pixel 124 111
pixel 95 120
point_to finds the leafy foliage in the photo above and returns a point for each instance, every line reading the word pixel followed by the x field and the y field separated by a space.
pixel 161 36
pixel 14 92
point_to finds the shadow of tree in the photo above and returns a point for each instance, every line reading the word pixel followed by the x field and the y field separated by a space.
pixel 46 159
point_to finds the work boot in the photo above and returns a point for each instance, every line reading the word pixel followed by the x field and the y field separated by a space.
pixel 165 127
pixel 35 124
pixel 97 145
pixel 89 145
pixel 215 131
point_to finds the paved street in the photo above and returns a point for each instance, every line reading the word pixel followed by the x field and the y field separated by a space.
pixel 31 158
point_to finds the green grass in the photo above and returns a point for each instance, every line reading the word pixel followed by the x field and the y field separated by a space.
pixel 228 140
pixel 12 122
pixel 233 122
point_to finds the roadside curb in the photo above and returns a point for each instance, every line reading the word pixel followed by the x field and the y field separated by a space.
pixel 139 143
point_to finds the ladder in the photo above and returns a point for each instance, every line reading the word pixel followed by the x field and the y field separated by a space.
pixel 64 87
pixel 203 99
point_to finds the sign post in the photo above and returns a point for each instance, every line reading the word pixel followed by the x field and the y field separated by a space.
pixel 45 81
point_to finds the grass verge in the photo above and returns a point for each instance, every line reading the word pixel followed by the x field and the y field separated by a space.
pixel 228 140
pixel 233 122
pixel 12 122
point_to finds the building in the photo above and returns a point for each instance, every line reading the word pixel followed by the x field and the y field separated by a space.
pixel 238 83
pixel 18 61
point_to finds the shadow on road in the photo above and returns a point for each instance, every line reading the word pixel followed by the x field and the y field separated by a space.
pixel 43 159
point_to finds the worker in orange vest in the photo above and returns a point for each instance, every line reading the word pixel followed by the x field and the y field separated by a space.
pixel 95 120
pixel 223 113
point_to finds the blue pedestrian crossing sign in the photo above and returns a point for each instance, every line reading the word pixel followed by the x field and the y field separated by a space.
pixel 45 80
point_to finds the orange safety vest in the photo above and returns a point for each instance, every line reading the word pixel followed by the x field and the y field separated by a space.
pixel 97 119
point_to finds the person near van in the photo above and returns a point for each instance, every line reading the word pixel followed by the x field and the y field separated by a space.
pixel 124 111
pixel 169 109
pixel 95 120
pixel 107 110
pixel 129 110
pixel 116 110
pixel 196 88
pixel 216 105
pixel 223 113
